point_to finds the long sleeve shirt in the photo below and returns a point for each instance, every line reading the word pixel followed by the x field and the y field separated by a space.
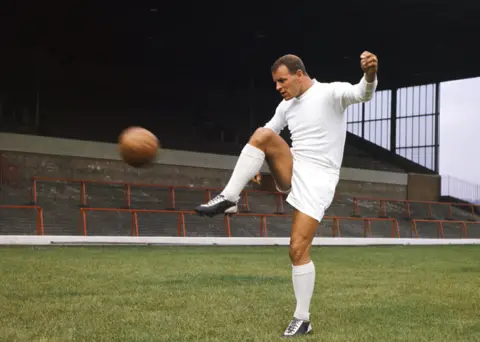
pixel 317 121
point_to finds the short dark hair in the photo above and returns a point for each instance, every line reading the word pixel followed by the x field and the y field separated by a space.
pixel 292 62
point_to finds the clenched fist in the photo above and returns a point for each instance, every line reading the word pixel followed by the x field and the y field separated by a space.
pixel 369 64
pixel 257 179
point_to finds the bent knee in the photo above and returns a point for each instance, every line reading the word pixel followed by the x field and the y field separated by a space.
pixel 299 249
pixel 261 136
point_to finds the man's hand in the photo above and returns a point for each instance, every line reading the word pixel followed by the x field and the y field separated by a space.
pixel 369 64
pixel 257 179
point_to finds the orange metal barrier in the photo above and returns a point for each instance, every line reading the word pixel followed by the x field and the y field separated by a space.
pixel 263 221
pixel 367 224
pixel 40 227
pixel 181 228
pixel 463 226
pixel 382 211
pixel 171 191
pixel 135 212
pixel 9 173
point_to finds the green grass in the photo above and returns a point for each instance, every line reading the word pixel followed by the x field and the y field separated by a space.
pixel 237 294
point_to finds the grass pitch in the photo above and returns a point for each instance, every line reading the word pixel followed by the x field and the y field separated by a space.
pixel 237 294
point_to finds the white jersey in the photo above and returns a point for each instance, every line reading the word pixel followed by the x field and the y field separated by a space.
pixel 317 122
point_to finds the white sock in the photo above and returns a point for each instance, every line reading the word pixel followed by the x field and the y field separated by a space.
pixel 248 164
pixel 303 283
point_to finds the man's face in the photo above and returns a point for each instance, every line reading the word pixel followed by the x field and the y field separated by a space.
pixel 287 85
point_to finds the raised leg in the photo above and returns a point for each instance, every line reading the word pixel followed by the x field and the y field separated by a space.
pixel 263 145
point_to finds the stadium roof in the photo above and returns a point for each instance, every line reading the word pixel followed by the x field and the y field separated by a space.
pixel 417 42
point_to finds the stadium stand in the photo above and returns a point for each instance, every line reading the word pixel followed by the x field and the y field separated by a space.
pixel 9 174
pixel 77 195
pixel 28 221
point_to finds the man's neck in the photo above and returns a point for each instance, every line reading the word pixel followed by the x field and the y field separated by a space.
pixel 307 85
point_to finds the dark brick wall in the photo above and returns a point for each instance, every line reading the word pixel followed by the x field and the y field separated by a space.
pixel 114 170
pixel 370 189
pixel 360 159
pixel 96 169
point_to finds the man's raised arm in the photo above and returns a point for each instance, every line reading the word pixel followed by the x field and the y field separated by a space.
pixel 363 91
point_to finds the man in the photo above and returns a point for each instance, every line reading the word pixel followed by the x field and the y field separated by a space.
pixel 309 171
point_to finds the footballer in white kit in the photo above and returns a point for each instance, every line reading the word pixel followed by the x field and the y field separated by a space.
pixel 308 170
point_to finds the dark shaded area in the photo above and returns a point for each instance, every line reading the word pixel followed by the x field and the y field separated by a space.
pixel 384 155
pixel 197 73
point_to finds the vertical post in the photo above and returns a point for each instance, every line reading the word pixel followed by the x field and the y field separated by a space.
pixel 135 222
pixel 181 230
pixel 363 120
pixel 415 228
pixel 245 198
pixel 171 198
pixel 208 195
pixel 279 200
pixel 437 125
pixel 34 191
pixel 126 196
pixel 263 226
pixel 226 223
pixel 338 227
pixel 393 121
pixel 83 194
pixel 40 226
pixel 440 229
pixel 84 219
pixel 429 209
pixel 37 230
pixel 132 223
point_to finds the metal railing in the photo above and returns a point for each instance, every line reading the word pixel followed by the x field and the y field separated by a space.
pixel 461 189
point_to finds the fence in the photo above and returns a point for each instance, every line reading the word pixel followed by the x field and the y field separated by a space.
pixel 39 224
pixel 279 197
pixel 460 189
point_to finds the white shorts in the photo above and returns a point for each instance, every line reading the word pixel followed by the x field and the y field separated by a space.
pixel 313 189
